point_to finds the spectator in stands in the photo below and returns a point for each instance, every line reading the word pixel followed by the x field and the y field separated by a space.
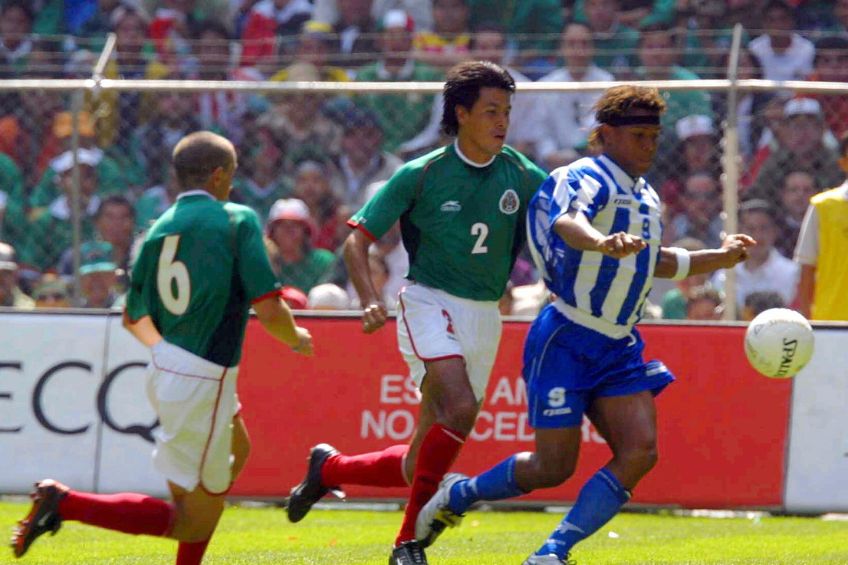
pixel 354 22
pixel 299 121
pixel 154 141
pixel 13 202
pixel 267 21
pixel 362 161
pixel 50 232
pixel 759 301
pixel 783 53
pixel 16 18
pixel 700 218
pixel 704 303
pixel 328 11
pixel 98 275
pixel 615 43
pixel 765 268
pixel 562 121
pixel 402 116
pixel 708 38
pixel 658 55
pixel 637 13
pixel 697 151
pixel 218 110
pixel 831 64
pixel 750 106
pixel 295 261
pixel 11 294
pixel 801 147
pixel 328 296
pixel 90 20
pixel 533 26
pixel 119 114
pixel 821 251
pixel 260 180
pixel 450 40
pixel 793 199
pixel 51 291
pixel 488 43
pixel 156 200
pixel 312 185
pixel 316 46
pixel 171 28
pixel 674 301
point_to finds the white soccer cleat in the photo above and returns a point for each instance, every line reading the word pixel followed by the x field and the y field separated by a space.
pixel 549 559
pixel 435 516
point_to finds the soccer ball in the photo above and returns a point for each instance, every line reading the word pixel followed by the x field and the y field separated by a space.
pixel 779 342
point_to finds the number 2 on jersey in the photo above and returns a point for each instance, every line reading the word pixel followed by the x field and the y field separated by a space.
pixel 170 274
pixel 481 232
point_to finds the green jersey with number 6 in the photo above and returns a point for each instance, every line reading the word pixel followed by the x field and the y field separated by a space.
pixel 462 223
pixel 201 266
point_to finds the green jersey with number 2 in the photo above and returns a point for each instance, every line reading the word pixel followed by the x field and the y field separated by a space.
pixel 201 266
pixel 462 224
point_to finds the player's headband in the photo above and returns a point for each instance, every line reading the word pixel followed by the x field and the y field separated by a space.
pixel 651 120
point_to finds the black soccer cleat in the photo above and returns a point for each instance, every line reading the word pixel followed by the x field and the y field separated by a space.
pixel 310 491
pixel 43 517
pixel 408 553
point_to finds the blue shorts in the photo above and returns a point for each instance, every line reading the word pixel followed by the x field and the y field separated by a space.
pixel 567 366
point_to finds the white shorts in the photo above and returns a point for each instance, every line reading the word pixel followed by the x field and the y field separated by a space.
pixel 434 325
pixel 195 400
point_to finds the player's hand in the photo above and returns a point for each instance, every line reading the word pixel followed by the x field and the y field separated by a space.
pixel 373 317
pixel 621 244
pixel 304 342
pixel 735 247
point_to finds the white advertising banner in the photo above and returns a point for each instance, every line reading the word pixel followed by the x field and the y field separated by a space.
pixel 69 410
pixel 817 473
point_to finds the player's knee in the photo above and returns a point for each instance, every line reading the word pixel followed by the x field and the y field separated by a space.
pixel 460 415
pixel 554 473
pixel 641 457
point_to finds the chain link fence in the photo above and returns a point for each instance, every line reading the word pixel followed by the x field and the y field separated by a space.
pixel 308 134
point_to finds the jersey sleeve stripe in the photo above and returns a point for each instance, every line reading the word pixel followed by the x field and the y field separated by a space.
pixel 363 229
pixel 275 292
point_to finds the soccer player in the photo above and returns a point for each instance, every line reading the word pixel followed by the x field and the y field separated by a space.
pixel 202 266
pixel 462 210
pixel 595 233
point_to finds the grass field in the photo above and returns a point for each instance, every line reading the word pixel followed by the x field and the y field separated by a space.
pixel 263 536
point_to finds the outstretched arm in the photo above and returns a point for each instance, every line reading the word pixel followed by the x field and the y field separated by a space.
pixel 356 259
pixel 577 231
pixel 733 250
pixel 277 319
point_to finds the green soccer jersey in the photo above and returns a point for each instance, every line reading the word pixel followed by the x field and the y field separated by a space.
pixel 462 224
pixel 201 266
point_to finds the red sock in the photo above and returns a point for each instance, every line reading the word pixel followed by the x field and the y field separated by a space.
pixel 191 553
pixel 126 512
pixel 378 468
pixel 438 451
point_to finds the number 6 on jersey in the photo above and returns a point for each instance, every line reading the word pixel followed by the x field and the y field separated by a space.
pixel 172 278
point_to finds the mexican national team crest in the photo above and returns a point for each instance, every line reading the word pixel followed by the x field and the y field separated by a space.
pixel 509 202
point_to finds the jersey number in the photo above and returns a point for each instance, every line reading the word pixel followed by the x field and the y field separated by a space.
pixel 172 278
pixel 481 231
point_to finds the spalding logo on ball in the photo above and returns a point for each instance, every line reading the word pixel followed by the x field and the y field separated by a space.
pixel 779 342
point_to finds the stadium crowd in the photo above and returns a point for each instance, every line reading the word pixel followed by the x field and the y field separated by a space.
pixel 308 161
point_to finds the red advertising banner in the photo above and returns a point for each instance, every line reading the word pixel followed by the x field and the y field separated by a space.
pixel 722 427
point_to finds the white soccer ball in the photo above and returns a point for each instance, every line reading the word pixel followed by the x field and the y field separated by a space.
pixel 779 342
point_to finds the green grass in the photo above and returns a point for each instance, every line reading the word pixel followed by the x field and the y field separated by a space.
pixel 262 535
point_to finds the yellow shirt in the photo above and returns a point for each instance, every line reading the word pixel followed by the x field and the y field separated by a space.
pixel 830 298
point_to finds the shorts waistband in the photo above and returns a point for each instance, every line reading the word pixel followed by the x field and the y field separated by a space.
pixel 480 305
pixel 175 359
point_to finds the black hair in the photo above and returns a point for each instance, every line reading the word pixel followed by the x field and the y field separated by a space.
pixel 114 200
pixel 462 88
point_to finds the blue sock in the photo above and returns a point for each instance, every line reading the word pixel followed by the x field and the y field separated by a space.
pixel 495 484
pixel 599 500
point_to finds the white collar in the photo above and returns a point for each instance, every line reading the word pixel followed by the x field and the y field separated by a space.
pixel 404 73
pixel 196 192
pixel 468 161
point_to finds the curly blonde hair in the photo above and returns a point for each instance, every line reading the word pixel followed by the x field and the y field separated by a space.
pixel 619 101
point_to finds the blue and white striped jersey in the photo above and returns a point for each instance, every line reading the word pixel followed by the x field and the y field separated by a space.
pixel 592 289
